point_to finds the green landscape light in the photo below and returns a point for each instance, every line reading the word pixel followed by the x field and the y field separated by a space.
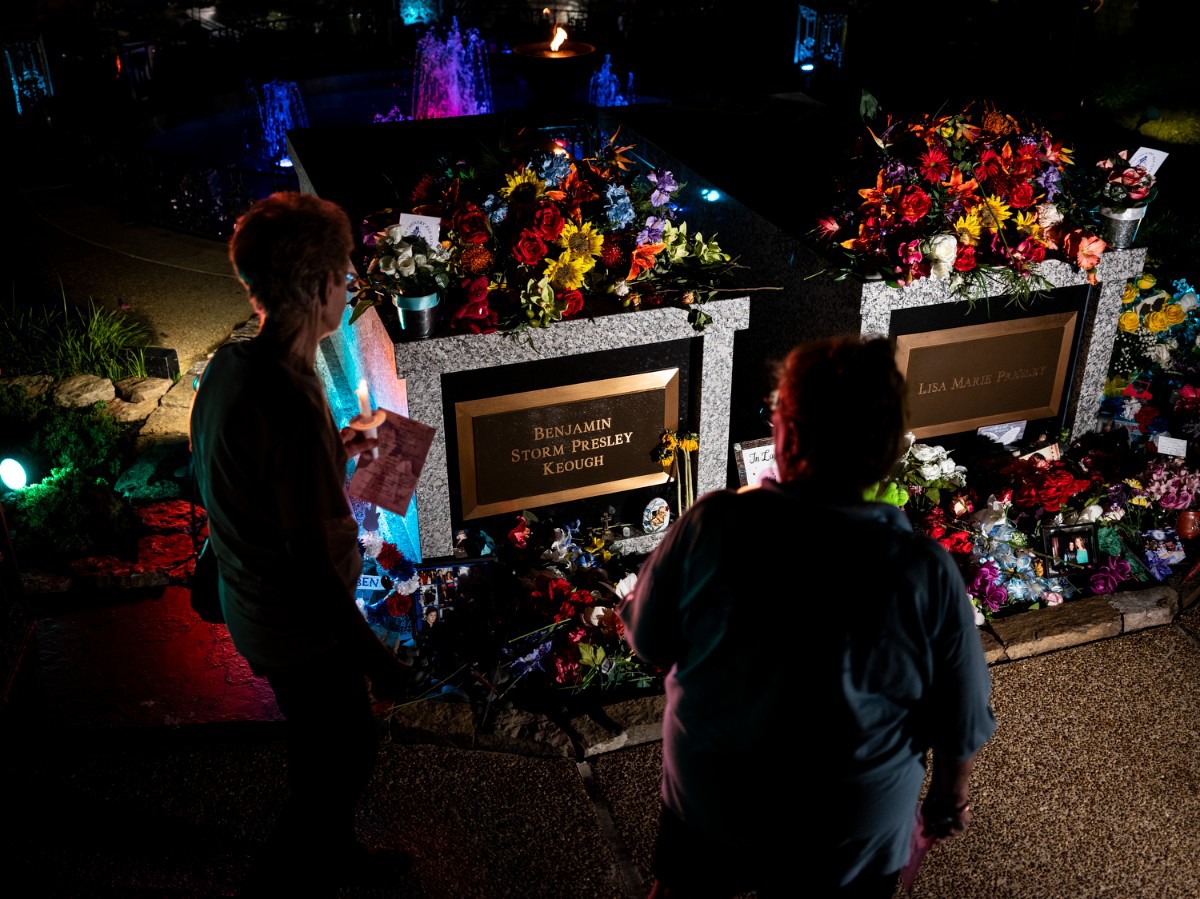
pixel 12 473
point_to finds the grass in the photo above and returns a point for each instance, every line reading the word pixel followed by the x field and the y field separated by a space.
pixel 66 340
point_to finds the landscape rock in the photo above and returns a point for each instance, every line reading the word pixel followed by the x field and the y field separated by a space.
pixel 142 390
pixel 35 385
pixel 84 390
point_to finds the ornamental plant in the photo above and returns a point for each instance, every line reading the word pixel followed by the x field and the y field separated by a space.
pixel 547 236
pixel 975 198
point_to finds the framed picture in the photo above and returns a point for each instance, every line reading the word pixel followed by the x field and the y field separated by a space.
pixel 447 583
pixel 755 460
pixel 1164 544
pixel 1070 549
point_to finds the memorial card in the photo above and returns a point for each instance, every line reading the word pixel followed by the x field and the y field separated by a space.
pixel 390 479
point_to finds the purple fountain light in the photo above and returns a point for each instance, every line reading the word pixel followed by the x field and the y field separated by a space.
pixel 451 77
pixel 604 88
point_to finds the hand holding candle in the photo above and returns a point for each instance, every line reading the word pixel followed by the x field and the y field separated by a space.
pixel 367 419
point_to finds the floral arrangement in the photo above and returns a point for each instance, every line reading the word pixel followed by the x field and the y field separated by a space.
pixel 1125 185
pixel 544 620
pixel 551 237
pixel 1154 376
pixel 399 265
pixel 973 199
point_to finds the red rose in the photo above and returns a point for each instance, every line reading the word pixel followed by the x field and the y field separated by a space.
pixel 914 205
pixel 574 300
pixel 1021 196
pixel 965 260
pixel 470 225
pixel 473 314
pixel 529 249
pixel 548 221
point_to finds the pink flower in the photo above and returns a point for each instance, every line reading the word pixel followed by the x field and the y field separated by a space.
pixel 1051 598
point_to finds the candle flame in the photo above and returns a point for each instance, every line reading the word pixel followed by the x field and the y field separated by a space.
pixel 560 37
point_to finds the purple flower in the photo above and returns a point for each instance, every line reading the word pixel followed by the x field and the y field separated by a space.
pixel 987 574
pixel 994 596
pixel 1109 575
pixel 664 184
pixel 653 232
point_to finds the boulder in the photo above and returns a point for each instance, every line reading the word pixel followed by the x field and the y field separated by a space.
pixel 84 390
pixel 142 390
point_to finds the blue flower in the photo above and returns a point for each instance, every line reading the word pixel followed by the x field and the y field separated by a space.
pixel 619 206
pixel 551 168
pixel 531 661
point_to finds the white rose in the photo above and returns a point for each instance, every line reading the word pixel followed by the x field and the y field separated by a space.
pixel 1091 513
pixel 1048 215
pixel 941 249
pixel 1115 515
pixel 626 584
pixel 1187 300
pixel 930 471
pixel 598 616
pixel 1160 353
pixel 948 467
pixel 923 452
pixel 406 267
pixel 394 234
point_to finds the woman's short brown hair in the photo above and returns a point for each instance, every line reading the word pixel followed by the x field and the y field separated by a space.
pixel 286 244
pixel 841 403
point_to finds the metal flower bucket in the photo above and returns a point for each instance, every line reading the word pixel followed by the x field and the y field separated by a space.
pixel 1121 225
pixel 418 315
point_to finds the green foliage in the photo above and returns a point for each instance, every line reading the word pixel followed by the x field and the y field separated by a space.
pixel 67 340
pixel 73 456
pixel 67 515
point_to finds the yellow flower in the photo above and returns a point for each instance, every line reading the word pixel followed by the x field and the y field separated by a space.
pixel 1173 313
pixel 1156 321
pixel 1130 294
pixel 1145 281
pixel 689 443
pixel 1139 501
pixel 967 230
pixel 668 440
pixel 1129 321
pixel 525 183
pixel 1134 483
pixel 994 213
pixel 1027 223
pixel 566 273
pixel 582 241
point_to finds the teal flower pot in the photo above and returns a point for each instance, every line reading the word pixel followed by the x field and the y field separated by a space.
pixel 418 315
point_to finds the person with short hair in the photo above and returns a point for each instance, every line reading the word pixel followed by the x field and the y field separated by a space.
pixel 270 467
pixel 806 691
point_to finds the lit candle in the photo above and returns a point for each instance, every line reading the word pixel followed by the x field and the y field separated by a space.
pixel 364 402
pixel 366 414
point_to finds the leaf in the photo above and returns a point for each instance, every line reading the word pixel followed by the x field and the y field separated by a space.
pixel 591 655
pixel 359 308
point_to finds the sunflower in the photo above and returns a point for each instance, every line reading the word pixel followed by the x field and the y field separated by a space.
pixel 994 213
pixel 1027 223
pixel 967 229
pixel 566 273
pixel 522 186
pixel 583 242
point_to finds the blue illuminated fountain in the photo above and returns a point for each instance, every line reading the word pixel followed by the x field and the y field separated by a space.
pixel 280 108
pixel 604 88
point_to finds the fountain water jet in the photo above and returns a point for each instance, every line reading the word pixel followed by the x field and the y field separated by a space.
pixel 604 88
pixel 280 108
pixel 451 76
